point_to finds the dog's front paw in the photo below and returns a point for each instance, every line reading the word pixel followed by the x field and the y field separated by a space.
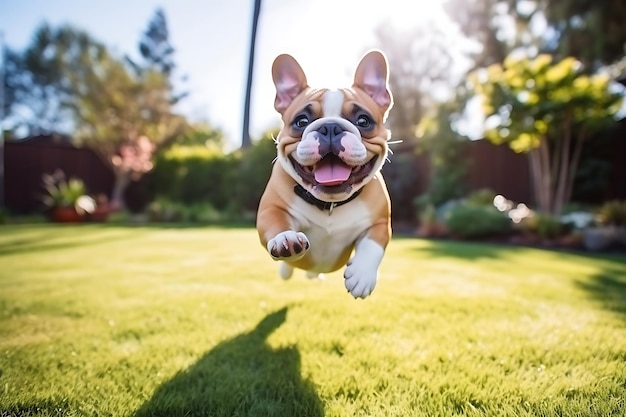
pixel 360 278
pixel 288 245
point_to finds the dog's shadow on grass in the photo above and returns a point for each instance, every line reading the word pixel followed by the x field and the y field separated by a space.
pixel 243 376
pixel 608 288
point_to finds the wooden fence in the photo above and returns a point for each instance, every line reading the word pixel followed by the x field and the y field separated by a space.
pixel 27 160
pixel 499 169
pixel 493 167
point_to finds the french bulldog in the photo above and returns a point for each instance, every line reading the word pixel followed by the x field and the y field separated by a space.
pixel 326 198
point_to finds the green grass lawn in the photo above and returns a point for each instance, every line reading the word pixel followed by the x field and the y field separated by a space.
pixel 100 320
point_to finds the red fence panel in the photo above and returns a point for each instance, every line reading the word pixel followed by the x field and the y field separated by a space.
pixel 27 160
pixel 499 169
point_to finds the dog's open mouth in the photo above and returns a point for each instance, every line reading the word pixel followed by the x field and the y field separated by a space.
pixel 332 174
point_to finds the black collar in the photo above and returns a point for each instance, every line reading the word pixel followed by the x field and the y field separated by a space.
pixel 320 204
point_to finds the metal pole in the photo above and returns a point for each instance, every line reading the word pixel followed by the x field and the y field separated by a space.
pixel 2 66
pixel 245 134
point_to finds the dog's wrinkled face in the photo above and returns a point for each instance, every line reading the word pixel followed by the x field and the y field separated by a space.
pixel 333 141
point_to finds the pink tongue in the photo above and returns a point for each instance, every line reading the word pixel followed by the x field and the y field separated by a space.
pixel 331 171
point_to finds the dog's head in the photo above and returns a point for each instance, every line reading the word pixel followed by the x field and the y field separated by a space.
pixel 333 142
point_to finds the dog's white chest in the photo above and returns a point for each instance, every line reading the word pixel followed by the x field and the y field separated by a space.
pixel 330 234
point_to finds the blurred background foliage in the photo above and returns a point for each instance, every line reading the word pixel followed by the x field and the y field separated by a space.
pixel 546 71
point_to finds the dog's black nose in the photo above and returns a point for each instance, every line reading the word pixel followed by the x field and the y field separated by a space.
pixel 330 129
pixel 329 135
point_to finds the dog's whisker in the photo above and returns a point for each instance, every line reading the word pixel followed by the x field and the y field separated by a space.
pixel 389 152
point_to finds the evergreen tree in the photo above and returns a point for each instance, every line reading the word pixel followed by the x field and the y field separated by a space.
pixel 155 47
pixel 157 53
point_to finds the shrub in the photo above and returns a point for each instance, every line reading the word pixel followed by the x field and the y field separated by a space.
pixel 191 174
pixel 164 210
pixel 470 221
pixel 4 215
pixel 546 226
pixel 253 172
pixel 231 184
pixel 201 213
pixel 402 188
pixel 613 213
pixel 483 197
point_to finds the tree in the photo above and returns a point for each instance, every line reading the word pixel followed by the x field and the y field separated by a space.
pixel 202 134
pixel 123 115
pixel 157 53
pixel 546 109
pixel 421 61
pixel 12 79
pixel 155 47
pixel 423 71
pixel 592 31
pixel 35 92
pixel 481 20
pixel 104 101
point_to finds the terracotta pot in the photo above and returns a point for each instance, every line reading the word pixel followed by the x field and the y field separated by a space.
pixel 65 215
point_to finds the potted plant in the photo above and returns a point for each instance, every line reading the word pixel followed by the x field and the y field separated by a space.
pixel 66 200
pixel 611 228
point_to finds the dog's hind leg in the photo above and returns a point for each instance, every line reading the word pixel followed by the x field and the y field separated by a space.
pixel 314 275
pixel 285 270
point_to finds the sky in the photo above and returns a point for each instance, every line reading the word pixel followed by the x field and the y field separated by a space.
pixel 211 39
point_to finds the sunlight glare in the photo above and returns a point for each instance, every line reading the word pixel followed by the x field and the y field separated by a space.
pixel 405 15
pixel 362 18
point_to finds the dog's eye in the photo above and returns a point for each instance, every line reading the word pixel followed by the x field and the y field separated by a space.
pixel 301 122
pixel 363 121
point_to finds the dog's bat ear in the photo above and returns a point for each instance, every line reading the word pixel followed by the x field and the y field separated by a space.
pixel 372 77
pixel 289 80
